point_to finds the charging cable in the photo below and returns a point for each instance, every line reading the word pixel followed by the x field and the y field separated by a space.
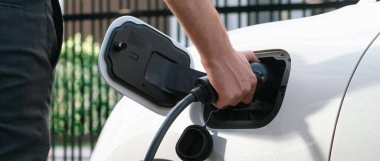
pixel 203 92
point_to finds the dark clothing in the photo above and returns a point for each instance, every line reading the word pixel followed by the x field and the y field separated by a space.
pixel 29 50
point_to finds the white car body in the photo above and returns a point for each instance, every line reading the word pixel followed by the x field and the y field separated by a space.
pixel 331 108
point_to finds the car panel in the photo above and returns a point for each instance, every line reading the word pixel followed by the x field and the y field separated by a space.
pixel 357 132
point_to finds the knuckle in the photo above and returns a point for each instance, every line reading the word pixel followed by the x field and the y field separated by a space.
pixel 246 90
pixel 253 79
pixel 237 96
pixel 231 98
pixel 232 95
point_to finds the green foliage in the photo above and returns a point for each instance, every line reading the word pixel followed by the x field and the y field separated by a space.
pixel 81 99
pixel 74 46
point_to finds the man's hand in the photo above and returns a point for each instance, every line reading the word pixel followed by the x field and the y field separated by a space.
pixel 232 77
pixel 228 70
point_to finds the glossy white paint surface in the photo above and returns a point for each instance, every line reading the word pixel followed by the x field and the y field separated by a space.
pixel 324 51
pixel 357 135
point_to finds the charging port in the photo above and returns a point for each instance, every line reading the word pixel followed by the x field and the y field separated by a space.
pixel 264 106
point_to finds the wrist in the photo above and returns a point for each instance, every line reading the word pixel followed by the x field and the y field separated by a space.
pixel 216 48
pixel 215 58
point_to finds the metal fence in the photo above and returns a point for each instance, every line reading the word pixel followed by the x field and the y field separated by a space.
pixel 82 101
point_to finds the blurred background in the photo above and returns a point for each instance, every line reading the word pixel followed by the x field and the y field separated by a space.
pixel 82 101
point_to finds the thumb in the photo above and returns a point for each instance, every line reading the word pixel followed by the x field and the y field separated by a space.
pixel 250 55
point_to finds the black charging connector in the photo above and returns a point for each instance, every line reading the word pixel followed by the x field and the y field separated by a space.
pixel 208 94
pixel 203 91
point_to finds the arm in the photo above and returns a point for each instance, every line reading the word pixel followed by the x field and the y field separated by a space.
pixel 228 70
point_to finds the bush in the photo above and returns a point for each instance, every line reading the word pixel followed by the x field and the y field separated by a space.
pixel 81 99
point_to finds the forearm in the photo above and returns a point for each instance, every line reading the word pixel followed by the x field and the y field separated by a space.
pixel 203 25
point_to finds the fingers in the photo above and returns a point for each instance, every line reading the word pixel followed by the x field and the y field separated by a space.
pixel 220 104
pixel 248 98
pixel 237 95
pixel 251 57
pixel 231 100
pixel 233 79
pixel 245 98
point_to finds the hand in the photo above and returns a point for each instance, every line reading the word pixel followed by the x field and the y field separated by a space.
pixel 231 76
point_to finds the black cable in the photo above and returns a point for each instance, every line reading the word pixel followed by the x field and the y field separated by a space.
pixel 209 116
pixel 178 108
pixel 199 93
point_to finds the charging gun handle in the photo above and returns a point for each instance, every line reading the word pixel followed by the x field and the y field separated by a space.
pixel 259 69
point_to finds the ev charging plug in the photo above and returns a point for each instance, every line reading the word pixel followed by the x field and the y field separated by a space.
pixel 199 149
pixel 209 95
